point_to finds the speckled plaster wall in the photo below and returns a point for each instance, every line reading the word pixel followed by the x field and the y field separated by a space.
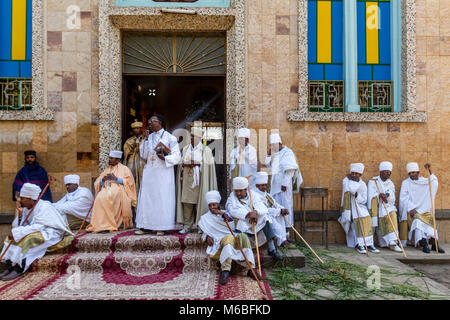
pixel 114 20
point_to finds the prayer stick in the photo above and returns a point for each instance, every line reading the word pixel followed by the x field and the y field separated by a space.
pixel 248 263
pixel 432 211
pixel 257 249
pixel 26 218
pixel 254 226
pixel 292 227
pixel 361 226
pixel 309 247
pixel 390 220
pixel 82 225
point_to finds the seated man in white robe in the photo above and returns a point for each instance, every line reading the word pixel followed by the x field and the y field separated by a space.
pixel 76 203
pixel 286 176
pixel 355 218
pixel 221 243
pixel 381 189
pixel 244 205
pixel 45 230
pixel 276 210
pixel 416 207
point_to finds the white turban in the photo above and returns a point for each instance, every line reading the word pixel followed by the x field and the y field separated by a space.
pixel 115 154
pixel 240 183
pixel 30 190
pixel 212 197
pixel 261 177
pixel 197 131
pixel 72 178
pixel 243 133
pixel 357 167
pixel 274 138
pixel 412 166
pixel 385 165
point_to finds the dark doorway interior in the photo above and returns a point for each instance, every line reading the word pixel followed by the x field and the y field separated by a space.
pixel 180 100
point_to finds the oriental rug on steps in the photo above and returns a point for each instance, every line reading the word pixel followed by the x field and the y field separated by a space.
pixel 125 266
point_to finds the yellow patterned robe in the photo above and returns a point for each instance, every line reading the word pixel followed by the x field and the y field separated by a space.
pixel 132 159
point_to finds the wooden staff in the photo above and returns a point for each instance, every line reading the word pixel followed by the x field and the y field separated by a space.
pixel 432 209
pixel 292 227
pixel 26 218
pixel 254 226
pixel 82 225
pixel 87 214
pixel 390 220
pixel 246 260
pixel 361 226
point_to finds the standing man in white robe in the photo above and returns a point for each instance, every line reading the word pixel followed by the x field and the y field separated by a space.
pixel 386 230
pixel 356 220
pixel 416 208
pixel 156 201
pixel 286 175
pixel 240 207
pixel 221 243
pixel 195 176
pixel 76 203
pixel 276 210
pixel 244 159
pixel 44 229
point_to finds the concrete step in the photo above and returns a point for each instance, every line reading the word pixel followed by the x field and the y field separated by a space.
pixel 292 258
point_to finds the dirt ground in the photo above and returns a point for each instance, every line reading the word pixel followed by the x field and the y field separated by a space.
pixel 438 272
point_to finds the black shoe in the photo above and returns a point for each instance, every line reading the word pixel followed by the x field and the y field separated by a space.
pixel 433 246
pixel 8 269
pixel 12 275
pixel 424 244
pixel 16 272
pixel 250 274
pixel 360 249
pixel 276 255
pixel 373 249
pixel 224 277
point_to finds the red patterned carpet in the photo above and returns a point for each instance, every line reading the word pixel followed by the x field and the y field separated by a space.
pixel 124 266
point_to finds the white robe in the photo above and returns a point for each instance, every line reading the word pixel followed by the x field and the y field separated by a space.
pixel 415 194
pixel 285 172
pixel 240 208
pixel 156 201
pixel 347 216
pixel 213 225
pixel 275 218
pixel 76 203
pixel 248 160
pixel 44 219
pixel 386 187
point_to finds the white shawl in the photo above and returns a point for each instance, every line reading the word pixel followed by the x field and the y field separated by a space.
pixel 76 203
pixel 353 187
pixel 240 208
pixel 280 162
pixel 415 194
pixel 215 227
pixel 44 216
pixel 194 154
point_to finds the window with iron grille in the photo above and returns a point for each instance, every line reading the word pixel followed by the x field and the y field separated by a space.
pixel 15 55
pixel 326 96
pixel 375 92
pixel 16 94
pixel 375 96
pixel 325 56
